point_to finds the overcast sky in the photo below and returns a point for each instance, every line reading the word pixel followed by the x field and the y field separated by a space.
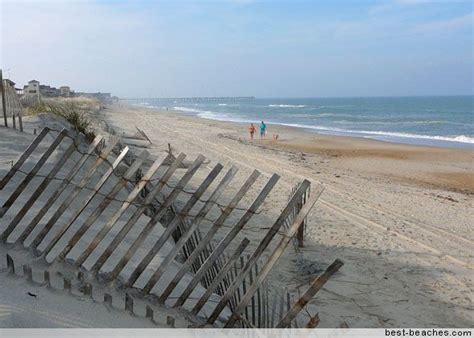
pixel 242 47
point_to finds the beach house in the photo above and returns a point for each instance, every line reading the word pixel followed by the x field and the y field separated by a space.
pixel 65 91
pixel 32 88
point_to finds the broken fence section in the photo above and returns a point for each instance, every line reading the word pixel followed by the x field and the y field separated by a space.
pixel 224 269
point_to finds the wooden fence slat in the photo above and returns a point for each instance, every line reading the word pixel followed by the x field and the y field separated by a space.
pixel 244 285
pixel 220 276
pixel 317 284
pixel 267 305
pixel 288 304
pixel 155 219
pixel 24 157
pixel 130 198
pixel 170 228
pixel 295 323
pixel 85 202
pixel 74 170
pixel 33 198
pixel 253 303
pixel 232 302
pixel 210 234
pixel 123 181
pixel 274 307
pixel 282 305
pixel 277 252
pixel 32 174
pixel 256 255
pixel 77 189
pixel 195 223
pixel 259 299
pixel 227 239
pixel 313 322
pixel 238 290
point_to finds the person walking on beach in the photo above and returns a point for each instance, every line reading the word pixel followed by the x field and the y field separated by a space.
pixel 252 130
pixel 263 130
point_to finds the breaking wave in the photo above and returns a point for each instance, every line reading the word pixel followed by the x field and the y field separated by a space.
pixel 287 105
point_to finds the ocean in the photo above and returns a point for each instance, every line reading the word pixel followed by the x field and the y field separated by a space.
pixel 446 121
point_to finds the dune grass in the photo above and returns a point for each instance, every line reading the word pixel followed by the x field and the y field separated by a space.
pixel 73 112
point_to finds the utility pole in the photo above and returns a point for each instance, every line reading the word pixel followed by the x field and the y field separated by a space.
pixel 4 104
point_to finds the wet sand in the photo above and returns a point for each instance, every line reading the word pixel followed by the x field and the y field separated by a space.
pixel 400 216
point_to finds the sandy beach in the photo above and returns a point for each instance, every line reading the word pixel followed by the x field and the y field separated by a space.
pixel 400 216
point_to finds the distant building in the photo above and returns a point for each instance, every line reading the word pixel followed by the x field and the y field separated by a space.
pixel 103 97
pixel 9 82
pixel 65 91
pixel 49 91
pixel 32 88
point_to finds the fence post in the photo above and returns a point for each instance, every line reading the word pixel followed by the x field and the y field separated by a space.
pixel 4 105
pixel 301 229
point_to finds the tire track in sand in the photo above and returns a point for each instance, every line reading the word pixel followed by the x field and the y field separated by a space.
pixel 353 218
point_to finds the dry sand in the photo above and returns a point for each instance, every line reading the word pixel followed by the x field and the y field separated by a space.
pixel 399 216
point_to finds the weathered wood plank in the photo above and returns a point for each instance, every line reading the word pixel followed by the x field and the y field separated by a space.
pixel 171 227
pixel 66 203
pixel 144 135
pixel 253 302
pixel 220 276
pixel 85 202
pixel 74 170
pixel 24 157
pixel 278 251
pixel 138 212
pixel 313 322
pixel 185 236
pixel 256 255
pixel 227 239
pixel 123 181
pixel 32 174
pixel 317 284
pixel 259 299
pixel 36 194
pixel 244 285
pixel 154 220
pixel 274 307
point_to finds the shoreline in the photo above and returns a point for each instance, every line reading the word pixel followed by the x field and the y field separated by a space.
pixel 452 166
pixel 398 215
pixel 385 136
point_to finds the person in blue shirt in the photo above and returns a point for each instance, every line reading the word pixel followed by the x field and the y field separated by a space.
pixel 263 130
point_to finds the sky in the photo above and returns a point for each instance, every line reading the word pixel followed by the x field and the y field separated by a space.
pixel 241 47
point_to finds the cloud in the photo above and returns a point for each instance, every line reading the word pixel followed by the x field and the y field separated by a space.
pixel 457 23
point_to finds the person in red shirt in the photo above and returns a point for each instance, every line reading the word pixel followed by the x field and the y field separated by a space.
pixel 251 130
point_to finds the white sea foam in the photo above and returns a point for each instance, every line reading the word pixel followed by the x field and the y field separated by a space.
pixel 364 133
pixel 189 110
pixel 287 105
pixel 222 104
pixel 211 115
pixel 454 138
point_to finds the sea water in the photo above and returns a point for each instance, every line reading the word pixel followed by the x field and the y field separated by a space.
pixel 446 121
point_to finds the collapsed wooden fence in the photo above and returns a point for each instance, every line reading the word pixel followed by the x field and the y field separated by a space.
pixel 224 270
